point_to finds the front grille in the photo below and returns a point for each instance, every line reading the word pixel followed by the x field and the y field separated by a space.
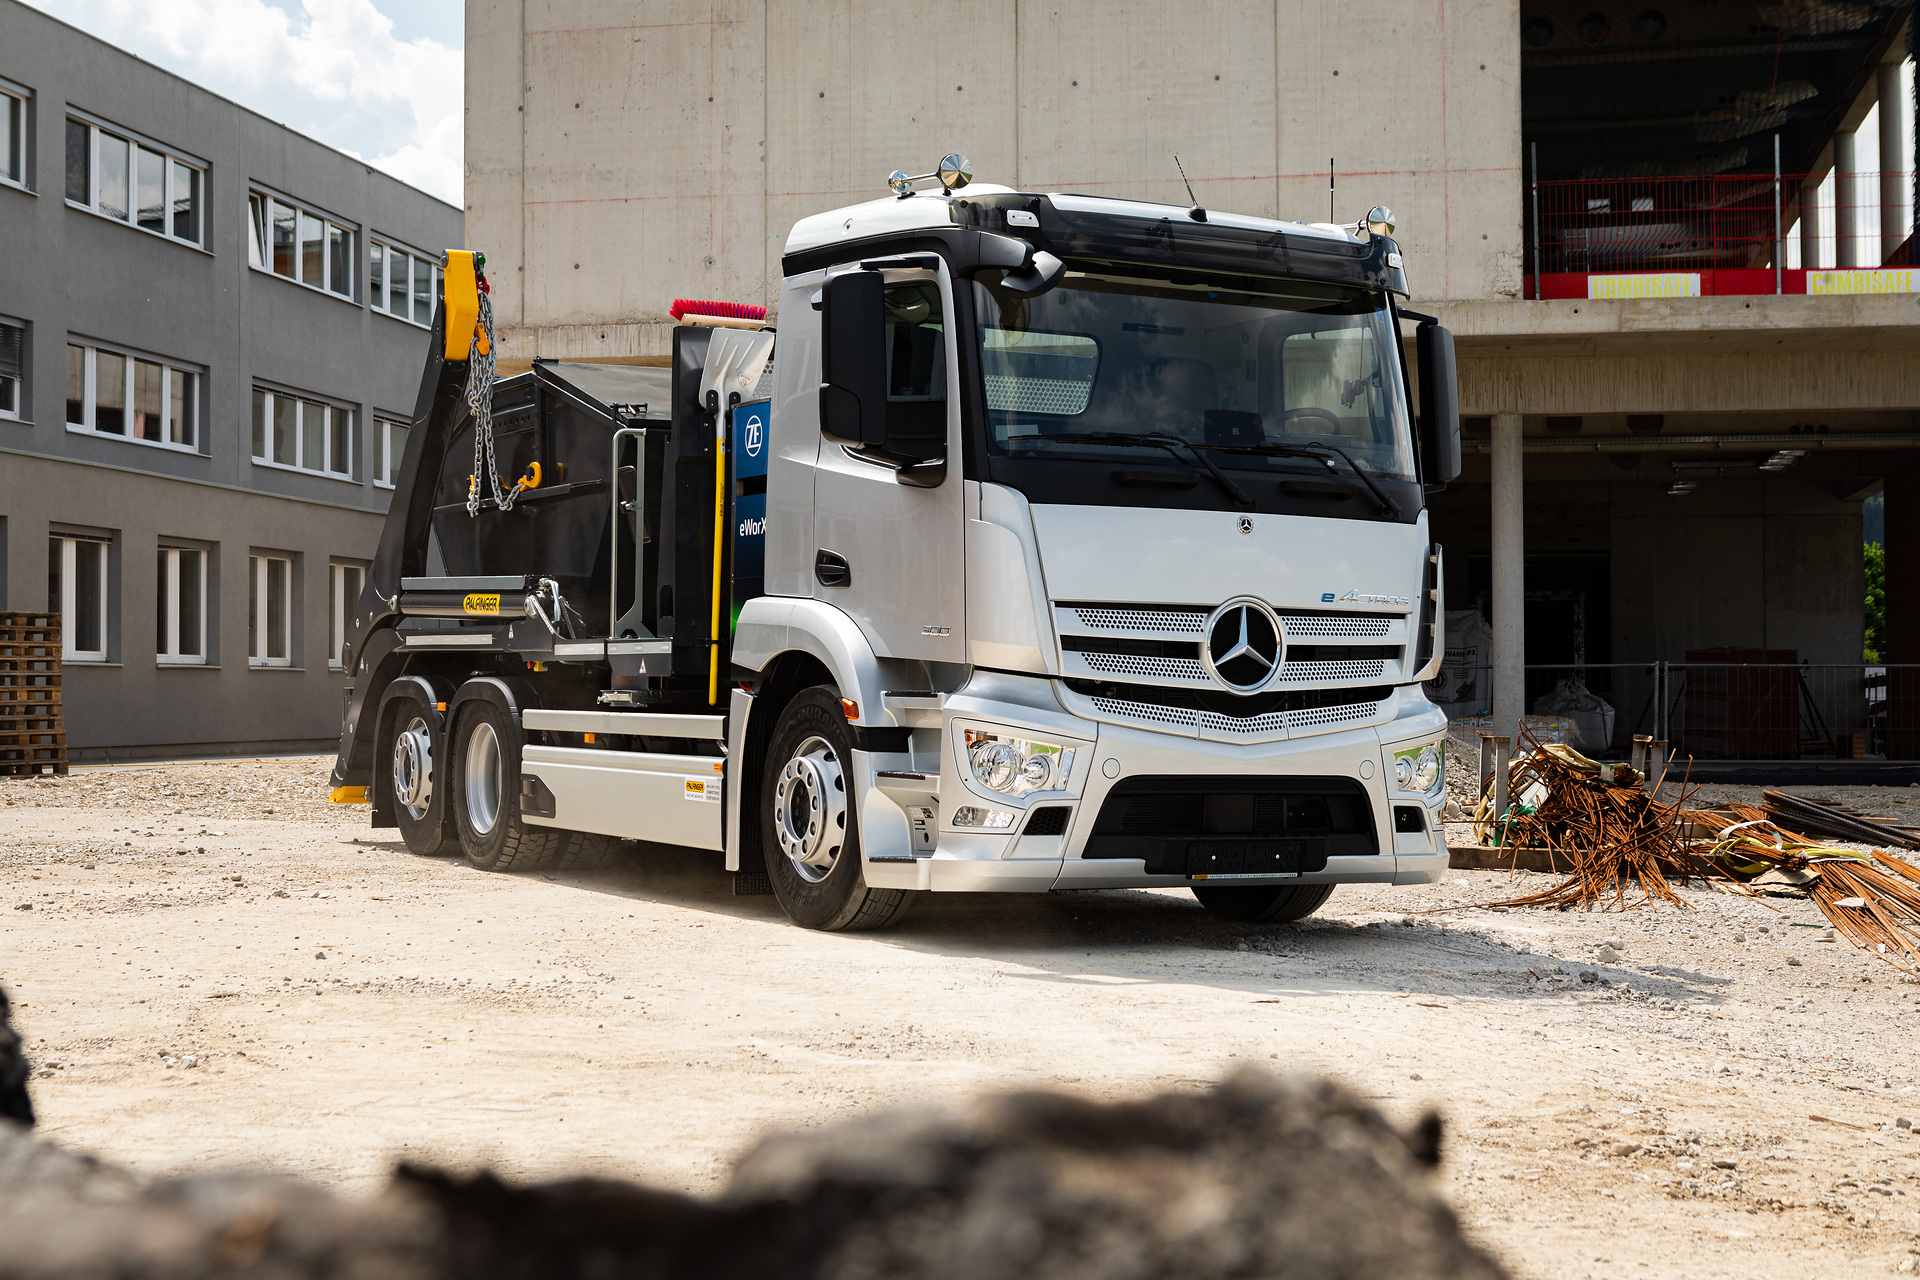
pixel 1210 824
pixel 1232 705
pixel 1120 617
pixel 1126 664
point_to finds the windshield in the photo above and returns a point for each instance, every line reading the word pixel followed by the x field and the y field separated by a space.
pixel 1220 367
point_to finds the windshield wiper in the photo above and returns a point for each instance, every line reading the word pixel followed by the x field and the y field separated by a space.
pixel 1150 440
pixel 1388 506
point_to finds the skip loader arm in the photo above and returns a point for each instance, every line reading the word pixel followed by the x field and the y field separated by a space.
pixel 371 657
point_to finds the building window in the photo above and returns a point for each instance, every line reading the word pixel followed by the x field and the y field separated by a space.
pixel 134 181
pixel 301 245
pixel 112 393
pixel 180 609
pixel 403 283
pixel 302 433
pixel 13 369
pixel 343 592
pixel 392 437
pixel 77 590
pixel 13 137
pixel 270 612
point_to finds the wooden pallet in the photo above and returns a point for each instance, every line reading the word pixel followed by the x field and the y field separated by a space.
pixel 33 738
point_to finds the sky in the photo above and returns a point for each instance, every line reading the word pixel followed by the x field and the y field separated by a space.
pixel 382 80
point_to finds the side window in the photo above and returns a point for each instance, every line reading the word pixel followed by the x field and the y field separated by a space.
pixel 916 349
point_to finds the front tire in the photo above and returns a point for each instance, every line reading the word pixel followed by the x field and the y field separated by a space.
pixel 485 780
pixel 1264 905
pixel 810 824
pixel 417 770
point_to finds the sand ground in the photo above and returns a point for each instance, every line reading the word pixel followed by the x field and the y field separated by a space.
pixel 214 968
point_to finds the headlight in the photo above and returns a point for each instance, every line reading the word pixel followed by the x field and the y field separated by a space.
pixel 1420 769
pixel 1428 768
pixel 1016 766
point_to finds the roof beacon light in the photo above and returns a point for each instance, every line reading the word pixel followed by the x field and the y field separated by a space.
pixel 953 172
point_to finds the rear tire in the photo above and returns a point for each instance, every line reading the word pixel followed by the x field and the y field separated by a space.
pixel 1264 905
pixel 810 825
pixel 416 763
pixel 485 781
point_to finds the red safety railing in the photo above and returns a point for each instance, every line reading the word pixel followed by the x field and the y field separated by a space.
pixel 1718 226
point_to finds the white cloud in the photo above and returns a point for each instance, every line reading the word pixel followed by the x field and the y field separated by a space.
pixel 333 70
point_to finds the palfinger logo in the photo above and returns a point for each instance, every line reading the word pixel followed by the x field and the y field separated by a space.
pixel 486 606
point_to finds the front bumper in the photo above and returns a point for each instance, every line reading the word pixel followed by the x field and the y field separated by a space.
pixel 1014 862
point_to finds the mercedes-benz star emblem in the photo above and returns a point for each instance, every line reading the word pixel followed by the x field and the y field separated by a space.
pixel 1246 524
pixel 1245 645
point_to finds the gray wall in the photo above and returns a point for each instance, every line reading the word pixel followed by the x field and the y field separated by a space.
pixel 70 272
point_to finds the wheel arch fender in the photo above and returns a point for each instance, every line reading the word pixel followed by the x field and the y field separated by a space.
pixel 430 692
pixel 770 629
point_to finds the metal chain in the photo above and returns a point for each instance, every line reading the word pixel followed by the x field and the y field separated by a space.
pixel 480 401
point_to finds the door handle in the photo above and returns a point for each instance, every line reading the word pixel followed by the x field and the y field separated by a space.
pixel 832 569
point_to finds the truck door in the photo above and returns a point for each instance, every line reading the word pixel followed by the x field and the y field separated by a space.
pixel 888 511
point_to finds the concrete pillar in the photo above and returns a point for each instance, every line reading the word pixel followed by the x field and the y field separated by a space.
pixel 1902 543
pixel 1810 226
pixel 1509 574
pixel 1846 203
pixel 1896 209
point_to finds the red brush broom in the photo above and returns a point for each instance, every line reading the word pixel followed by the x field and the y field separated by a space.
pixel 718 315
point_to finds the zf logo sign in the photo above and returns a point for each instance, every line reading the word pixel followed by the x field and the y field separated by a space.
pixel 752 439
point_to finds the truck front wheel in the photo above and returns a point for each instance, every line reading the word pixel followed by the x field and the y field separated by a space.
pixel 419 793
pixel 1268 905
pixel 810 821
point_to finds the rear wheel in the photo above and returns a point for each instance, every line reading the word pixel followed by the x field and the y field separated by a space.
pixel 419 799
pixel 1266 905
pixel 486 802
pixel 810 827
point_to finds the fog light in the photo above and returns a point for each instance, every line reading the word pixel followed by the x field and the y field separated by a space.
pixel 989 819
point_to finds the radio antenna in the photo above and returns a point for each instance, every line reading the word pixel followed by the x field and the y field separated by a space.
pixel 1196 212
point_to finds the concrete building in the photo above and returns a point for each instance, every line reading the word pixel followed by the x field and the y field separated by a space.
pixel 1674 245
pixel 212 331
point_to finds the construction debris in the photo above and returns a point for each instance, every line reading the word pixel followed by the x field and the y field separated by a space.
pixel 1818 818
pixel 1626 846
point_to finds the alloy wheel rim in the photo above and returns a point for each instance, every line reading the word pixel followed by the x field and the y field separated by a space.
pixel 810 810
pixel 483 778
pixel 413 768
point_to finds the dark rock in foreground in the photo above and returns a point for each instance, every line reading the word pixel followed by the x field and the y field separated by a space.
pixel 1255 1178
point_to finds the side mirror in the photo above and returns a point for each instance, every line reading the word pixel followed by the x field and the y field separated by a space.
pixel 1439 405
pixel 1038 276
pixel 853 358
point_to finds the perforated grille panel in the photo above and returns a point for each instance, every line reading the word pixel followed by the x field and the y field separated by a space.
pixel 1127 664
pixel 1313 626
pixel 1120 618
pixel 1272 722
pixel 1147 713
pixel 1327 672
pixel 1037 395
pixel 1321 717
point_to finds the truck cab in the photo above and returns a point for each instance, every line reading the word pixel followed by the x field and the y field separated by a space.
pixel 1052 542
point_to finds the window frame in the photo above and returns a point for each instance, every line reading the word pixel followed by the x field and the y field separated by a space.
pixel 168 651
pixel 260 249
pixel 259 600
pixel 17 410
pixel 329 433
pixel 22 141
pixel 68 604
pixel 170 370
pixel 340 605
pixel 171 158
pixel 381 249
pixel 384 427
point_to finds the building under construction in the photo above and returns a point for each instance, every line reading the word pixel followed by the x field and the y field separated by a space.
pixel 1674 241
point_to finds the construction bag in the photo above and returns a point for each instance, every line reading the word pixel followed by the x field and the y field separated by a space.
pixel 1591 715
pixel 1464 686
